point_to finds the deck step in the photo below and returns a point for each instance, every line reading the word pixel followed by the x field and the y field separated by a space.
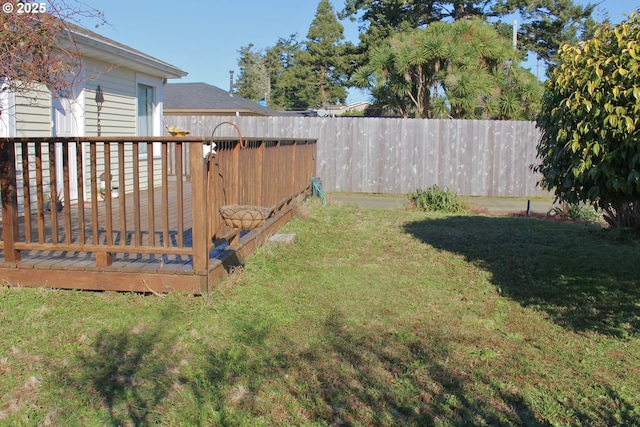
pixel 282 238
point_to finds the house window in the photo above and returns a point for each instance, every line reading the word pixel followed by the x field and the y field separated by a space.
pixel 146 99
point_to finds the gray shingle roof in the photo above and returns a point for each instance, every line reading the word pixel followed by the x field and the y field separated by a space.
pixel 203 96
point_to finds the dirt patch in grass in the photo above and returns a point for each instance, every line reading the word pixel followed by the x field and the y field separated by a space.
pixel 556 218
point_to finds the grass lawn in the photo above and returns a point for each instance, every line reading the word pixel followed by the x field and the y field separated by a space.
pixel 370 317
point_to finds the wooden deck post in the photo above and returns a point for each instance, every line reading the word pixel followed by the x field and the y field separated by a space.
pixel 104 259
pixel 10 230
pixel 199 232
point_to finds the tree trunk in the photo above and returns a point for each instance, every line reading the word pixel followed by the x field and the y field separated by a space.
pixel 623 215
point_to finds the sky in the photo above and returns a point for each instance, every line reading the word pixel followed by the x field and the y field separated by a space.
pixel 203 37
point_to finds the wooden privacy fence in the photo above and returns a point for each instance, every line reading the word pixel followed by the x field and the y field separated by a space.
pixel 137 213
pixel 398 156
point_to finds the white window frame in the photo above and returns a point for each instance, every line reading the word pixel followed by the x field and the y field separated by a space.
pixel 7 110
pixel 157 85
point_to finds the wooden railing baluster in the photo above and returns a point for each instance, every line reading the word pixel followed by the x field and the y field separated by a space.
pixel 53 192
pixel 122 200
pixel 178 147
pixel 137 232
pixel 82 238
pixel 39 191
pixel 106 193
pixel 150 196
pixel 164 188
pixel 66 191
pixel 26 191
pixel 93 169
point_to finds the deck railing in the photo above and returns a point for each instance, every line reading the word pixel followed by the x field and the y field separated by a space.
pixel 140 195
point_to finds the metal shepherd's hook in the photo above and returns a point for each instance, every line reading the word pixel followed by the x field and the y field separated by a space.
pixel 210 147
pixel 243 143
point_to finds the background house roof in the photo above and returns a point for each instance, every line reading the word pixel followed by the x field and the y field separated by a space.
pixel 203 98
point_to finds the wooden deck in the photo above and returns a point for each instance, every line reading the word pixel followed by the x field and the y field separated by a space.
pixel 132 271
pixel 169 238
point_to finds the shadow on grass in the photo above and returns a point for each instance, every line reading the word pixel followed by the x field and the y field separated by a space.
pixel 404 379
pixel 126 372
pixel 124 375
pixel 584 277
pixel 349 376
pixel 346 375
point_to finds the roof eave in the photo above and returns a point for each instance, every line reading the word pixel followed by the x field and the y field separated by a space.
pixel 116 55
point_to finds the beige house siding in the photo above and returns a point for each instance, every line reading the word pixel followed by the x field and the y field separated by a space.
pixel 33 113
pixel 118 117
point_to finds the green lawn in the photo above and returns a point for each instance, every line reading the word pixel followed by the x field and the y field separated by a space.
pixel 370 317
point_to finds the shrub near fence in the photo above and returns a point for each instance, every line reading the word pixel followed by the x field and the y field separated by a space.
pixel 398 156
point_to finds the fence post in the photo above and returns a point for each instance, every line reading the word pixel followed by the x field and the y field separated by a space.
pixel 8 189
pixel 199 202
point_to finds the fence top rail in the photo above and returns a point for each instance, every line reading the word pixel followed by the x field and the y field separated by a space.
pixel 264 139
pixel 162 139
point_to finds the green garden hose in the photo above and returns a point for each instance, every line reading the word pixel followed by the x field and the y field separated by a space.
pixel 319 190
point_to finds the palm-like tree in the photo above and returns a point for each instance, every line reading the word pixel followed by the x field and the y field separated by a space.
pixel 460 66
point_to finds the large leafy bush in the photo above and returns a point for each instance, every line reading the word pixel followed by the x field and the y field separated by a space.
pixel 590 146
